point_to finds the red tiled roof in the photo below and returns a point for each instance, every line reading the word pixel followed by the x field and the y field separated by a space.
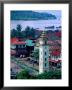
pixel 55 47
pixel 19 42
pixel 57 41
pixel 55 53
pixel 16 41
pixel 58 34
pixel 50 42
pixel 55 61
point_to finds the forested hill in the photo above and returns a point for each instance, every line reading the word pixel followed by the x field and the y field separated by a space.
pixel 31 15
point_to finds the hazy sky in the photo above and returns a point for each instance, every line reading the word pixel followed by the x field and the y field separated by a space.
pixel 57 13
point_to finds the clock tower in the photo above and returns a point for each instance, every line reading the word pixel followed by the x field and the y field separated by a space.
pixel 43 53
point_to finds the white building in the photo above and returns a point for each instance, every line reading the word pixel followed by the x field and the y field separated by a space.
pixel 43 54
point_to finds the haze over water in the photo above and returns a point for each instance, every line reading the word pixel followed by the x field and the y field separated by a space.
pixel 40 24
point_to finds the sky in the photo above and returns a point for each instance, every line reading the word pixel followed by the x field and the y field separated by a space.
pixel 57 13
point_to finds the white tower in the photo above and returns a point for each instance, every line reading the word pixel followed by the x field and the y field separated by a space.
pixel 43 54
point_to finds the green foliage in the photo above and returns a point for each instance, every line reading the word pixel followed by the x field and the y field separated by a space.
pixel 18 28
pixel 35 54
pixel 46 75
pixel 17 32
pixel 23 74
pixel 14 33
pixel 29 32
pixel 50 75
pixel 32 32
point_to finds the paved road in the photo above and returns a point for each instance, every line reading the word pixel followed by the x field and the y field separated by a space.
pixel 31 70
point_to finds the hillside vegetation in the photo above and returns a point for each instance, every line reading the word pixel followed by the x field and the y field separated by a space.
pixel 31 15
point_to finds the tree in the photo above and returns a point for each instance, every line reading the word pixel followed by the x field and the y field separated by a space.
pixel 13 33
pixel 18 28
pixel 35 54
pixel 32 33
pixel 19 32
pixel 25 75
pixel 27 31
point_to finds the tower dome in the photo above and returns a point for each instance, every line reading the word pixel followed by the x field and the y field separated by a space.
pixel 43 38
pixel 43 35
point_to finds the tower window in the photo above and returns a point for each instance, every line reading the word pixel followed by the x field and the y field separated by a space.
pixel 45 64
pixel 45 59
pixel 49 56
pixel 45 53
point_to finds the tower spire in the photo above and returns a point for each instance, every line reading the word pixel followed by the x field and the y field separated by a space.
pixel 43 35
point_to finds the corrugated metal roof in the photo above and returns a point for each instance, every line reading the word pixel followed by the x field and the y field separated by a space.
pixel 29 42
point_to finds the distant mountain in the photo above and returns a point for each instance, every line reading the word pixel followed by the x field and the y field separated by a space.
pixel 31 15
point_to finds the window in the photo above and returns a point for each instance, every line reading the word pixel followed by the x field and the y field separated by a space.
pixel 23 46
pixel 18 46
pixel 45 53
pixel 50 57
pixel 45 64
pixel 45 59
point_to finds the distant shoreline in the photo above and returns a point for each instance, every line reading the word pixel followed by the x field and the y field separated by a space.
pixel 32 19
